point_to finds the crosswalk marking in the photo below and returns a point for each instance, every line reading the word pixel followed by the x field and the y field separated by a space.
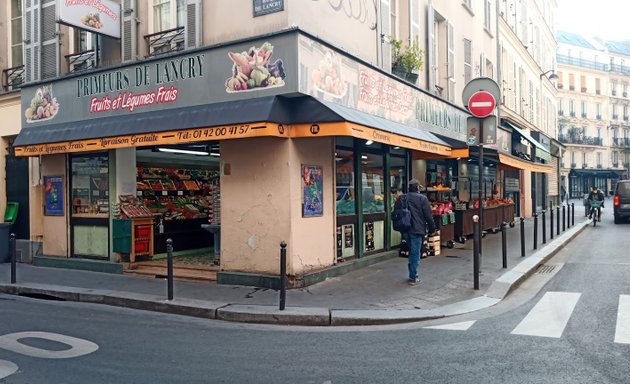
pixel 462 326
pixel 549 316
pixel 622 332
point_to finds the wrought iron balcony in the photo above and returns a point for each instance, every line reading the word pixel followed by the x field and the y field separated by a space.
pixel 167 41
pixel 590 64
pixel 598 117
pixel 584 165
pixel 621 142
pixel 580 140
pixel 615 116
pixel 615 165
pixel 81 61
pixel 12 78
pixel 573 165
pixel 599 166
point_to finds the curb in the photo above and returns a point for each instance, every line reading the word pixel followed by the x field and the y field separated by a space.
pixel 301 316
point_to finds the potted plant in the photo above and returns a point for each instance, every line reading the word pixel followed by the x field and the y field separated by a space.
pixel 406 59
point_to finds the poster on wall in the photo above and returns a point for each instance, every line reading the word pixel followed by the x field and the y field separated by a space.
pixel 53 195
pixel 312 191
pixel 348 236
pixel 369 236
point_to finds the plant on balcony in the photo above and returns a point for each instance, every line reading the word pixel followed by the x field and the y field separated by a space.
pixel 406 59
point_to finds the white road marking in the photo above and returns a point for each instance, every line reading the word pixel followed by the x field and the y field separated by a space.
pixel 549 316
pixel 622 332
pixel 463 326
pixel 78 347
pixel 7 368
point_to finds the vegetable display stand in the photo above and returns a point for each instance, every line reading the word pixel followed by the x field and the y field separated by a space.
pixel 446 225
pixel 134 237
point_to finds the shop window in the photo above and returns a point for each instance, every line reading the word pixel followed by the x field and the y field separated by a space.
pixel 398 184
pixel 90 186
pixel 344 162
pixel 372 183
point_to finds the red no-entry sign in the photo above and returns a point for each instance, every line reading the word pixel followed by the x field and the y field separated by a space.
pixel 481 104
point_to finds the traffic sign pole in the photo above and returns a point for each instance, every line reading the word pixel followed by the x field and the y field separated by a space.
pixel 480 188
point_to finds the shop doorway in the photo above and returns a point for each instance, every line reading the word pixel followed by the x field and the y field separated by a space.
pixel 89 216
pixel 17 191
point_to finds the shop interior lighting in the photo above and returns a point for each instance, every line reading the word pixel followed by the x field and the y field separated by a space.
pixel 369 142
pixel 183 151
pixel 363 157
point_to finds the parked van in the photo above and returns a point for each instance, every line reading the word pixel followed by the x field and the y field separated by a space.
pixel 621 205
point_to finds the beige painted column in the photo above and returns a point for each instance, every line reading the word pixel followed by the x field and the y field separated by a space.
pixel 55 228
pixel 261 205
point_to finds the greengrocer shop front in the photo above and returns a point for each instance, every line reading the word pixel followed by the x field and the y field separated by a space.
pixel 306 145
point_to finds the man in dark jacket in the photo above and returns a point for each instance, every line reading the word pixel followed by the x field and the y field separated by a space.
pixel 421 225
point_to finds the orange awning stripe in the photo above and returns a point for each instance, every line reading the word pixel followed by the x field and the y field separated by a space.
pixel 514 162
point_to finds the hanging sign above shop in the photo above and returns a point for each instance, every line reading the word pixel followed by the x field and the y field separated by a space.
pixel 99 16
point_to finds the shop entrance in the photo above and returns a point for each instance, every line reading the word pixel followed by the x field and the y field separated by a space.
pixel 180 185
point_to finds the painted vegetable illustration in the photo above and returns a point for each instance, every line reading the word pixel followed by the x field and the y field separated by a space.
pixel 43 106
pixel 327 77
pixel 92 20
pixel 253 69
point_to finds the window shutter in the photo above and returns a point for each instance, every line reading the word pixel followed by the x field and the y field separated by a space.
pixel 193 23
pixel 431 49
pixel 129 30
pixel 385 30
pixel 450 62
pixel 31 41
pixel 414 20
pixel 50 40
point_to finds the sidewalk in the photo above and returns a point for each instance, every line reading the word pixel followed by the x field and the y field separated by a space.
pixel 377 294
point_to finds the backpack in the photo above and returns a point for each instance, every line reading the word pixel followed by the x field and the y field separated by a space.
pixel 401 216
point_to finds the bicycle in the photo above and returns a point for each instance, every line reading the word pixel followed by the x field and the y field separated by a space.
pixel 596 211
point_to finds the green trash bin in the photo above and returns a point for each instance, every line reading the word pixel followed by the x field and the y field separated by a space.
pixel 5 233
pixel 10 215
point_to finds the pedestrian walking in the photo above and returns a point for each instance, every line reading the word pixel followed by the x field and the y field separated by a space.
pixel 421 225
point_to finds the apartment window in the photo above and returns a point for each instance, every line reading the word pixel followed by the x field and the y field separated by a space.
pixel 582 83
pixel 572 108
pixel 584 159
pixel 615 115
pixel 487 15
pixel 168 14
pixel 559 81
pixel 467 60
pixel 583 109
pixel 598 86
pixel 571 82
pixel 613 88
pixel 615 158
pixel 16 33
pixel 560 107
pixel 572 157
pixel 625 112
pixel 599 159
pixel 598 111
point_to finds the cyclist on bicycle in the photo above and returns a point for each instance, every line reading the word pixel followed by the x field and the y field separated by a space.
pixel 596 195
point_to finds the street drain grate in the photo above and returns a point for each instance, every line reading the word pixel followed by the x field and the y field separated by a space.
pixel 545 269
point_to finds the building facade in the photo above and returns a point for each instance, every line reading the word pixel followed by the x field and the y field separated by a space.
pixel 593 113
pixel 287 127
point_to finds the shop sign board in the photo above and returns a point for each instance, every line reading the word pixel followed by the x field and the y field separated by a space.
pixel 190 79
pixel 333 76
pixel 98 16
pixel 265 7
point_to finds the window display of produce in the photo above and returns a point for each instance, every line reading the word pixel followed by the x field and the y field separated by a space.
pixel 180 194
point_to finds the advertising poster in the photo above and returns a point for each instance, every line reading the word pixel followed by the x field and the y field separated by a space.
pixel 369 236
pixel 53 195
pixel 348 236
pixel 312 191
pixel 102 16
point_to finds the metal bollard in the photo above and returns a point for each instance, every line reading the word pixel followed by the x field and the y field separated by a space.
pixel 476 247
pixel 563 217
pixel 558 221
pixel 283 275
pixel 551 222
pixel 573 214
pixel 13 254
pixel 535 230
pixel 169 267
pixel 544 227
pixel 522 237
pixel 504 243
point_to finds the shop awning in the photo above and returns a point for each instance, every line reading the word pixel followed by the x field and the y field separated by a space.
pixel 278 116
pixel 262 116
pixel 512 162
pixel 311 120
pixel 541 151
pixel 607 173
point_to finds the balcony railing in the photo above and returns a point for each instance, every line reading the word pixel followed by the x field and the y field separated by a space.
pixel 12 78
pixel 598 117
pixel 81 61
pixel 615 165
pixel 564 59
pixel 572 113
pixel 584 115
pixel 619 68
pixel 613 92
pixel 615 117
pixel 583 90
pixel 573 165
pixel 166 41
pixel 599 165
pixel 584 165
pixel 621 142
pixel 583 140
pixel 560 112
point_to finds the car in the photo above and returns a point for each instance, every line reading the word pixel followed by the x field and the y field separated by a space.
pixel 621 202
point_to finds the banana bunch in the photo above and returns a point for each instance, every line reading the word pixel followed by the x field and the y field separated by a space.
pixel 239 82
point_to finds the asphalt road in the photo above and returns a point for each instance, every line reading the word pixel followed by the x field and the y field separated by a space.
pixel 564 325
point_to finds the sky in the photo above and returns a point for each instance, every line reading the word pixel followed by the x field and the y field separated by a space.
pixel 607 19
